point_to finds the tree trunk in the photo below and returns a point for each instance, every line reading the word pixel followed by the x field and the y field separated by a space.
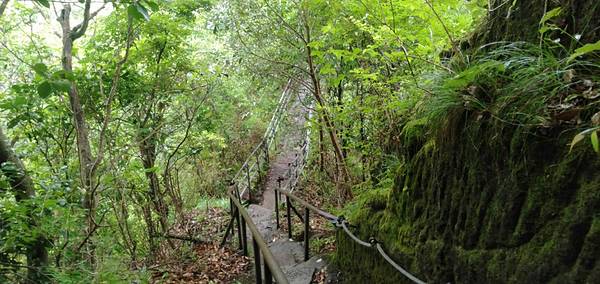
pixel 21 183
pixel 321 145
pixel 3 6
pixel 340 101
pixel 343 191
pixel 148 153
pixel 86 161
pixel 363 133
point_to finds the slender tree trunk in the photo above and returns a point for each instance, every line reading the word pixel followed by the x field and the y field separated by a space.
pixel 340 102
pixel 21 183
pixel 344 191
pixel 155 196
pixel 321 145
pixel 3 6
pixel 363 134
pixel 86 161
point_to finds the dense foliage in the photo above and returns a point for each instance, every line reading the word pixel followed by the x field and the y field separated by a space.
pixel 119 117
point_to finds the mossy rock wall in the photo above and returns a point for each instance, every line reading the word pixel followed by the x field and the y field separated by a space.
pixel 483 202
pixel 519 20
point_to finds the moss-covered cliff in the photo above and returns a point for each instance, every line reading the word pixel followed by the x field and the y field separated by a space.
pixel 486 207
pixel 484 196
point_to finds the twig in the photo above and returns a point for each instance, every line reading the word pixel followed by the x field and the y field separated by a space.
pixel 182 238
pixel 454 45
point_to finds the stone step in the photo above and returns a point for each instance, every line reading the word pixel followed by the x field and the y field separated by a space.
pixel 303 272
pixel 287 253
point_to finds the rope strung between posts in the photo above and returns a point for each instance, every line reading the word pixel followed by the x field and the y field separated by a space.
pixel 373 243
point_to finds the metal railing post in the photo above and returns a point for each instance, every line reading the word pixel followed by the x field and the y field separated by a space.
pixel 274 140
pixel 288 206
pixel 258 173
pixel 249 183
pixel 237 191
pixel 306 233
pixel 277 205
pixel 257 267
pixel 266 147
pixel 268 275
pixel 239 226
pixel 244 239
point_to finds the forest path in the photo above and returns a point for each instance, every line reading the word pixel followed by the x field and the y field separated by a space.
pixel 287 252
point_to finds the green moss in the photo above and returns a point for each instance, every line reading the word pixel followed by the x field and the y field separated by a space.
pixel 487 190
pixel 517 208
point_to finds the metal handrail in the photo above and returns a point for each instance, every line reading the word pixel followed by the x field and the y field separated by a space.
pixel 311 207
pixel 239 215
pixel 273 267
pixel 339 222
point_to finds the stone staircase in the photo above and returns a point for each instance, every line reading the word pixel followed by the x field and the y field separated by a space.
pixel 288 253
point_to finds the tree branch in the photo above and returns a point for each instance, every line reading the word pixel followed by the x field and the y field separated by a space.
pixel 111 95
pixel 182 238
pixel 79 30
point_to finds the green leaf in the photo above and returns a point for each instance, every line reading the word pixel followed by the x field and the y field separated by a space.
pixel 327 69
pixel 578 138
pixel 41 69
pixel 151 170
pixel 6 105
pixel 13 122
pixel 153 5
pixel 19 101
pixel 550 14
pixel 134 13
pixel 590 47
pixel 44 89
pixel 142 10
pixel 138 12
pixel 61 85
pixel 595 144
pixel 45 3
pixel 468 76
pixel 62 74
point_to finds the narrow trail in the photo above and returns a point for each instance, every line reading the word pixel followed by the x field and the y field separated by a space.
pixel 288 253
